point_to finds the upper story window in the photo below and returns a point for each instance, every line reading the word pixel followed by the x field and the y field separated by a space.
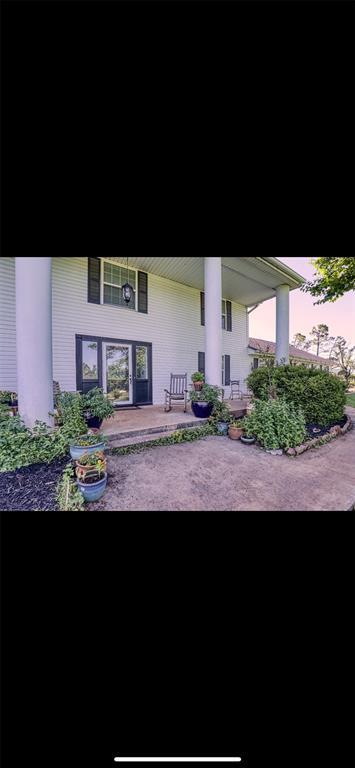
pixel 224 314
pixel 114 276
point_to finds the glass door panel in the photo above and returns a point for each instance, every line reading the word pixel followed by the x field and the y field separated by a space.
pixel 117 367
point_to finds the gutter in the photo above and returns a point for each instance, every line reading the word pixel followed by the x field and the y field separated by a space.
pixel 282 268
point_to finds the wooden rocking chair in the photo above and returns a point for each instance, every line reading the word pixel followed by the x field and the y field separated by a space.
pixel 177 392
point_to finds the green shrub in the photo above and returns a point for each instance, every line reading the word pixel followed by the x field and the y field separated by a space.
pixel 276 424
pixel 320 394
pixel 97 404
pixel 220 413
pixel 20 447
pixel 208 394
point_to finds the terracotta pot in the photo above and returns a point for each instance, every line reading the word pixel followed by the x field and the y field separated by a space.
pixel 82 470
pixel 235 433
pixel 198 385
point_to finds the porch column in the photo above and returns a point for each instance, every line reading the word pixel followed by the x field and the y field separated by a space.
pixel 283 324
pixel 34 338
pixel 213 320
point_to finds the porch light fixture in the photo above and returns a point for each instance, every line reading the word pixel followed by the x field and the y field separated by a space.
pixel 127 290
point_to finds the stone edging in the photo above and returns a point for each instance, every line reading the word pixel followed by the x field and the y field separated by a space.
pixel 316 442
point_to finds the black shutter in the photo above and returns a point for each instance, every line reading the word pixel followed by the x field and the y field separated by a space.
pixel 201 362
pixel 94 287
pixel 143 292
pixel 202 308
pixel 227 370
pixel 229 315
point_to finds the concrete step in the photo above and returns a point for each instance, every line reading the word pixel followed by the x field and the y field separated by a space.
pixel 140 439
pixel 152 431
pixel 149 438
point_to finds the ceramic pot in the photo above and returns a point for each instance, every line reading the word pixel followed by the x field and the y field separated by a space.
pixel 222 427
pixel 93 491
pixel 94 422
pixel 201 409
pixel 78 450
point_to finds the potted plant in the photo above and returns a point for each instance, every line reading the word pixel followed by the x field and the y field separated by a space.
pixel 221 417
pixel 203 402
pixel 97 407
pixel 86 444
pixel 88 462
pixel 5 398
pixel 236 429
pixel 198 380
pixel 92 485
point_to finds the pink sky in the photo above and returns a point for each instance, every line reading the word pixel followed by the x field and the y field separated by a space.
pixel 340 316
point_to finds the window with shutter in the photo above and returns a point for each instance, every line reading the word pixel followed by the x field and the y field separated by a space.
pixel 143 292
pixel 94 280
pixel 201 362
pixel 229 315
pixel 202 297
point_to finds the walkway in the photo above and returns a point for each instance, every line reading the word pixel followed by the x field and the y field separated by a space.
pixel 220 474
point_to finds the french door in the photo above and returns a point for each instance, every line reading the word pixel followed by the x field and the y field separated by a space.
pixel 117 371
pixel 122 368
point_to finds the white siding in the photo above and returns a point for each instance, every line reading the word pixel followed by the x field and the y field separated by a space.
pixel 172 325
pixel 7 325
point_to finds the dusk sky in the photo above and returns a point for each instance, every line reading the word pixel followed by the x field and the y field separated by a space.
pixel 340 316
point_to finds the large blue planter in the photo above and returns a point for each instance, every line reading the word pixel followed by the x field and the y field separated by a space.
pixel 94 491
pixel 201 409
pixel 76 451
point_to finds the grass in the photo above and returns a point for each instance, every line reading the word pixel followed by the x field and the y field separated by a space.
pixel 350 400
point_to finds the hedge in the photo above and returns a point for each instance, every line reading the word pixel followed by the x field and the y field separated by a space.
pixel 320 394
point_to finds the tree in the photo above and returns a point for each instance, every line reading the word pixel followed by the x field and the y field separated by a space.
pixel 336 277
pixel 320 338
pixel 299 341
pixel 342 359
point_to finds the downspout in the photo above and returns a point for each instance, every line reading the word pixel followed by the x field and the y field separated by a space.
pixel 253 308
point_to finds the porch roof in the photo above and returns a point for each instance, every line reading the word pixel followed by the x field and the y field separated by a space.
pixel 246 280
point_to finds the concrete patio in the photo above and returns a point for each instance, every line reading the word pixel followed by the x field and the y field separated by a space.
pixel 152 419
pixel 223 475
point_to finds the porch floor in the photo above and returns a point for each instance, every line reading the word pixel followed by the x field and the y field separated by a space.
pixel 152 418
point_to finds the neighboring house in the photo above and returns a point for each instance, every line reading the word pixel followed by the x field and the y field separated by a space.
pixel 260 350
pixel 66 319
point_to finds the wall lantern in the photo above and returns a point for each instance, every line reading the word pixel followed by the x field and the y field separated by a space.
pixel 127 290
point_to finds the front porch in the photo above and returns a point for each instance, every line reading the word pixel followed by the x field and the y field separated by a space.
pixel 153 420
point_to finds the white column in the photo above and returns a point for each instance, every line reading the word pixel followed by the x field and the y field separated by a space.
pixel 283 324
pixel 213 320
pixel 34 338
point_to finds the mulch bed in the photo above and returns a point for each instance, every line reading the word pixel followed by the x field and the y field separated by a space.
pixel 323 430
pixel 31 488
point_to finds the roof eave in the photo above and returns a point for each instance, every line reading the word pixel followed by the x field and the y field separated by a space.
pixel 283 268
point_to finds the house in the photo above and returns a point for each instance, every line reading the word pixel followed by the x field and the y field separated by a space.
pixel 261 350
pixel 67 319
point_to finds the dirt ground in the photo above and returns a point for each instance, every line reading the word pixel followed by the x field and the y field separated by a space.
pixel 223 475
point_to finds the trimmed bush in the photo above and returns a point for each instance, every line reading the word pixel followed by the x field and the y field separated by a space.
pixel 276 424
pixel 320 394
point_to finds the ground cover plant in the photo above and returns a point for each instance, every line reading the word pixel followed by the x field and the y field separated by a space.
pixel 320 394
pixel 276 424
pixel 180 436
pixel 21 447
